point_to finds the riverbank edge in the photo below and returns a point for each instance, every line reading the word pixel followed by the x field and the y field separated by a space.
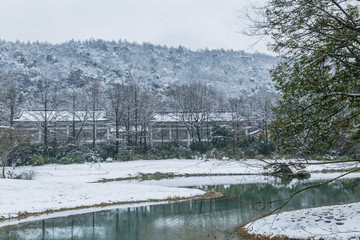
pixel 244 233
pixel 24 215
pixel 169 175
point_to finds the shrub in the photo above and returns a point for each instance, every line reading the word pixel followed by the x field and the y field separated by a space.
pixel 171 150
pixel 28 175
pixel 93 158
pixel 25 175
pixel 38 160
pixel 72 158
pixel 200 147
pixel 124 156
pixel 106 150
pixel 249 153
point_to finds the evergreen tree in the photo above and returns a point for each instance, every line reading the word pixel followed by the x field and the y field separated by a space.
pixel 319 75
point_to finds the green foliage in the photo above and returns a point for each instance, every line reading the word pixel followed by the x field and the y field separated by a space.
pixel 308 119
pixel 93 158
pixel 106 150
pixel 169 151
pixel 221 137
pixel 200 147
pixel 124 156
pixel 72 158
pixel 38 160
pixel 156 176
pixel 319 74
pixel 250 153
pixel 173 199
pixel 262 146
pixel 68 153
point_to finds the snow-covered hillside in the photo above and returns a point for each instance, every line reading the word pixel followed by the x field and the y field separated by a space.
pixel 154 67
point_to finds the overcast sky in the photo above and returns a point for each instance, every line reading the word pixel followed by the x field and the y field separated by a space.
pixel 195 24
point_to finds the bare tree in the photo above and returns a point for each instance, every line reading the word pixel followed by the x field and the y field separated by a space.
pixel 11 143
pixel 45 103
pixel 128 113
pixel 236 108
pixel 78 103
pixel 96 95
pixel 148 105
pixel 116 95
pixel 265 102
pixel 9 100
pixel 136 108
pixel 193 103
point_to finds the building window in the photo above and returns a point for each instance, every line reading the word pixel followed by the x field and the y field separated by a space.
pixel 179 134
pixel 161 134
pixel 101 134
pixel 87 134
pixel 61 134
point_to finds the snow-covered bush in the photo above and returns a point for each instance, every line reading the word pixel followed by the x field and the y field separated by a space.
pixel 72 158
pixel 25 175
pixel 94 158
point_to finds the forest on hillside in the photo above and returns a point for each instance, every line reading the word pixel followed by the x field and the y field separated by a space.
pixel 76 63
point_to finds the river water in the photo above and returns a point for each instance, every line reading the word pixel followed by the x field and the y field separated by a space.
pixel 190 220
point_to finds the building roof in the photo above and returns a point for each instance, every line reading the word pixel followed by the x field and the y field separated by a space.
pixel 175 117
pixel 59 116
pixel 5 127
pixel 255 132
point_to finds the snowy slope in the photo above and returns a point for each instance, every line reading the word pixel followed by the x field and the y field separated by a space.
pixel 155 67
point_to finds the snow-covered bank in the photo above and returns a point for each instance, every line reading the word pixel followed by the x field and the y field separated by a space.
pixel 70 186
pixel 331 222
pixel 19 197
pixel 91 172
pixel 57 187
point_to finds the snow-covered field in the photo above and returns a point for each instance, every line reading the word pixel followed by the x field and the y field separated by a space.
pixel 70 186
pixel 331 222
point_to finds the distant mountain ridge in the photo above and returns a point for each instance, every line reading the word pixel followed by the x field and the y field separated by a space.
pixel 77 63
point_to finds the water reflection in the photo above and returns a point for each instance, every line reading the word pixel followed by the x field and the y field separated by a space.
pixel 189 220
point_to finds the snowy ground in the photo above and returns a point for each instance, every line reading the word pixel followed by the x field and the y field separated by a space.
pixel 331 222
pixel 91 172
pixel 70 186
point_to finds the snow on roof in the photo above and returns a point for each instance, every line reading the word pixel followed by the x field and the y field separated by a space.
pixel 166 117
pixel 254 132
pixel 225 117
pixel 175 117
pixel 59 116
pixel 5 127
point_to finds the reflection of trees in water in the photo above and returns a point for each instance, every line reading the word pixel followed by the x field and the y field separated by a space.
pixel 184 220
pixel 263 194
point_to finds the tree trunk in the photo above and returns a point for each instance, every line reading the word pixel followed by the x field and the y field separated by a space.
pixel 46 144
pixel 73 118
pixel 94 134
pixel 3 167
pixel 234 142
pixel 117 144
